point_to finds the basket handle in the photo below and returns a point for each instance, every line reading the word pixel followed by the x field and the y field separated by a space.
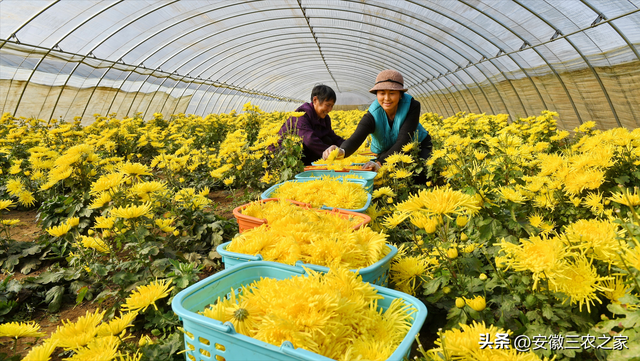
pixel 314 267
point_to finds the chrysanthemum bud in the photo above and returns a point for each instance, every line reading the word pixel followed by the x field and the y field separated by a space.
pixel 482 276
pixel 460 302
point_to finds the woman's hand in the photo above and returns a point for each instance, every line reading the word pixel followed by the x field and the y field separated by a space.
pixel 375 166
pixel 328 151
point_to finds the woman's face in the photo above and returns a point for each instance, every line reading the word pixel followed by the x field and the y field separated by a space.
pixel 388 99
pixel 322 109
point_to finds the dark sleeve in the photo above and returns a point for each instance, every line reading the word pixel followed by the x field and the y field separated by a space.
pixel 366 126
pixel 309 138
pixel 407 130
pixel 335 138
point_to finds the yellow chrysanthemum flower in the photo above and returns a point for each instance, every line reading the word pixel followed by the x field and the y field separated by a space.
pixel 10 222
pixel 4 204
pixel 95 243
pixel 407 273
pixel 510 194
pixel 117 325
pixel 627 198
pixel 401 174
pixel 132 211
pixel 20 329
pixel 440 202
pixel 538 255
pixel 147 295
pixel 107 182
pixel 73 221
pixel 101 200
pixel 59 231
pixel 615 289
pixel 73 335
pixel 42 352
pixel 134 169
pixel 598 238
pixel 477 303
pixel 579 280
pixel 104 222
pixel 98 349
pixel 383 191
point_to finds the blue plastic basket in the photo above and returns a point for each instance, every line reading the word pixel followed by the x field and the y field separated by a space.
pixel 210 340
pixel 314 174
pixel 267 194
pixel 377 273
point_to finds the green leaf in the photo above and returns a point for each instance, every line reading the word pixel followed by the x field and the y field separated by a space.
pixel 29 265
pixel 54 297
pixel 14 286
pixel 431 287
pixel 11 262
pixel 547 311
pixel 623 179
pixel 32 250
pixel 49 277
pixel 81 293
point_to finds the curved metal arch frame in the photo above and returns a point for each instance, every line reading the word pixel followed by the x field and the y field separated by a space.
pixel 222 59
pixel 462 82
pixel 414 40
pixel 488 57
pixel 446 45
pixel 300 61
pixel 15 33
pixel 91 51
pixel 266 80
pixel 514 60
pixel 533 47
pixel 457 52
pixel 175 24
pixel 232 54
pixel 584 58
pixel 626 40
pixel 198 28
pixel 51 49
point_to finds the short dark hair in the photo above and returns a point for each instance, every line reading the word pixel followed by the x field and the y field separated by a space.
pixel 323 92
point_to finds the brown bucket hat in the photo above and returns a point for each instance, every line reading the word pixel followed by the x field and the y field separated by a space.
pixel 389 80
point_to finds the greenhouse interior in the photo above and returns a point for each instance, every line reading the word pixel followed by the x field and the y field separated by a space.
pixel 320 180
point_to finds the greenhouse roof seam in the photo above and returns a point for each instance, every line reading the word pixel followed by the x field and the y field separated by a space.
pixel 304 14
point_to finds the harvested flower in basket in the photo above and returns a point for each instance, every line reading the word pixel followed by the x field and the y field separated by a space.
pixel 296 237
pixel 276 212
pixel 332 160
pixel 335 315
pixel 329 192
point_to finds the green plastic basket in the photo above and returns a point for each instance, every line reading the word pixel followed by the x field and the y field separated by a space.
pixel 314 174
pixel 207 339
pixel 377 273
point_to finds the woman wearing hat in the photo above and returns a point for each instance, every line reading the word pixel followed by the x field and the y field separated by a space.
pixel 392 120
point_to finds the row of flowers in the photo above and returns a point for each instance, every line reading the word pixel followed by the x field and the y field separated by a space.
pixel 527 228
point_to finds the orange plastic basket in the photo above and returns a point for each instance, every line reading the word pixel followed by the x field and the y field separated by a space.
pixel 247 222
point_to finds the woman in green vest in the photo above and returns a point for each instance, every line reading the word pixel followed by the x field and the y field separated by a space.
pixel 392 120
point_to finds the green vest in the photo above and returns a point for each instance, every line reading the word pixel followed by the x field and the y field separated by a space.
pixel 384 137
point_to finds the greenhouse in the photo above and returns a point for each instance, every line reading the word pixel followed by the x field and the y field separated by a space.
pixel 319 180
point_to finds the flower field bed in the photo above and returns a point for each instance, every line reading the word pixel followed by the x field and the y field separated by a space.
pixel 523 232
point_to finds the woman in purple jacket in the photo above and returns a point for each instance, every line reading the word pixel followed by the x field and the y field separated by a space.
pixel 314 127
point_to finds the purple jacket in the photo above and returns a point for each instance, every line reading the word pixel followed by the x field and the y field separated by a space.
pixel 316 133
